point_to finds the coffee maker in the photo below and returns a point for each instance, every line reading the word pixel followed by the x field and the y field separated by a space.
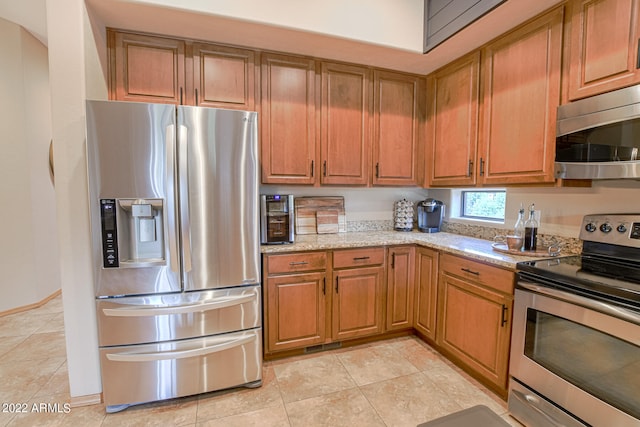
pixel 276 219
pixel 430 214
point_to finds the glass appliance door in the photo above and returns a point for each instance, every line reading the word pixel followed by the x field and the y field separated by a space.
pixel 578 353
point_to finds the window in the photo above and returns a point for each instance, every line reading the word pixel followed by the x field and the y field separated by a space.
pixel 488 205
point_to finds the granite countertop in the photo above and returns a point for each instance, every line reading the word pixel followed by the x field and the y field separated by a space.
pixel 456 244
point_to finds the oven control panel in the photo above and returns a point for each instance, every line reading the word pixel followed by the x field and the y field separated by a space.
pixel 614 229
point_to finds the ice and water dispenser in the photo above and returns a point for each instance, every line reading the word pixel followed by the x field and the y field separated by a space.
pixel 132 232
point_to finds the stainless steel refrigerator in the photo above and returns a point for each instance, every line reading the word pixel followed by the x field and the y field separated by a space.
pixel 174 208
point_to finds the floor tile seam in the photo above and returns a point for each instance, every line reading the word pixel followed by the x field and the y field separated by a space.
pixel 329 394
pixel 315 396
pixel 11 417
pixel 2 354
pixel 284 405
pixel 480 389
pixel 276 403
pixel 372 405
pixel 37 359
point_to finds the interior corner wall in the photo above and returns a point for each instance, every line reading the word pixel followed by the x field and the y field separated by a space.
pixel 28 255
pixel 38 134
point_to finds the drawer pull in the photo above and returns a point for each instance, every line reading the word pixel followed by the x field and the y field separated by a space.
pixel 294 263
pixel 466 270
pixel 361 258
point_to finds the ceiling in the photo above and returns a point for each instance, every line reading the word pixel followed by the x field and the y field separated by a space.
pixel 173 21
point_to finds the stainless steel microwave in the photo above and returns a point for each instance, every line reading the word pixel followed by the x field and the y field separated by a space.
pixel 599 137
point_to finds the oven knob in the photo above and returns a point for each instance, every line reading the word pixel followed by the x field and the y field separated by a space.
pixel 590 227
pixel 621 228
pixel 606 227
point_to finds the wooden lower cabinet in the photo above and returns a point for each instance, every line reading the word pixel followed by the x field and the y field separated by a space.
pixel 296 304
pixel 475 321
pixel 460 306
pixel 426 292
pixel 400 285
pixel 358 293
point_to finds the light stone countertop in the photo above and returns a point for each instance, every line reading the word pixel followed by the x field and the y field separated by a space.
pixel 456 244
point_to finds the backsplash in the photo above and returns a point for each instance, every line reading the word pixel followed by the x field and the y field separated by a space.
pixel 568 245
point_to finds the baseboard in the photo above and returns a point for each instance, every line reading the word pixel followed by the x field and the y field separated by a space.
pixel 31 306
pixel 86 400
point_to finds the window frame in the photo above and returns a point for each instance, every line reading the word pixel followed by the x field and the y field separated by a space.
pixel 463 205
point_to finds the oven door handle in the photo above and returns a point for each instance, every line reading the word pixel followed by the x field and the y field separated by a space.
pixel 603 307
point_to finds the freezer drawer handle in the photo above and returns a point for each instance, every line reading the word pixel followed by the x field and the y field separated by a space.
pixel 178 309
pixel 182 354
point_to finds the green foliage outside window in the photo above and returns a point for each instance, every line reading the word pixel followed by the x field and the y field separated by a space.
pixel 484 204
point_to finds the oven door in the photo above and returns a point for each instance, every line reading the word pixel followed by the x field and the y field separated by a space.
pixel 580 354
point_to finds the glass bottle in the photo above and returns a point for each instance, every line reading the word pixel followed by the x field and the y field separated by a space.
pixel 519 230
pixel 530 230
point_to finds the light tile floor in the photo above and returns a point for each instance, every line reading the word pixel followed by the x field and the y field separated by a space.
pixel 399 382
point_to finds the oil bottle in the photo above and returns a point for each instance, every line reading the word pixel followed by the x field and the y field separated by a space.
pixel 531 230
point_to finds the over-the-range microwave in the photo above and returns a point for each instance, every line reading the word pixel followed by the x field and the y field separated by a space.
pixel 599 137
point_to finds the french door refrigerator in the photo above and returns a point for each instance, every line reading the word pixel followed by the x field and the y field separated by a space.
pixel 174 205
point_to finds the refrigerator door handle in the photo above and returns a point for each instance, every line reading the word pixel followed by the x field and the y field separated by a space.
pixel 180 354
pixel 179 309
pixel 171 197
pixel 183 179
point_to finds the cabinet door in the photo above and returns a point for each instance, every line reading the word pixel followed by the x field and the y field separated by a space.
pixel 288 120
pixel 521 90
pixel 345 124
pixel 604 46
pixel 145 68
pixel 452 123
pixel 400 285
pixel 223 77
pixel 475 327
pixel 357 302
pixel 295 311
pixel 426 282
pixel 398 116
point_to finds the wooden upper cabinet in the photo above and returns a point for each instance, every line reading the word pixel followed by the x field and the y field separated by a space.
pixel 146 69
pixel 604 51
pixel 223 77
pixel 345 123
pixel 288 120
pixel 452 123
pixel 521 92
pixel 398 116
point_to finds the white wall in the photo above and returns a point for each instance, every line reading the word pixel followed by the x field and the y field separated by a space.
pixel 29 251
pixel 69 40
pixel 396 23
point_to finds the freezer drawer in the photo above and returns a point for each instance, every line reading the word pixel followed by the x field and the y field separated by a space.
pixel 153 318
pixel 149 372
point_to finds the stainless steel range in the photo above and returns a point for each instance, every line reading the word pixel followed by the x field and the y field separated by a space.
pixel 575 356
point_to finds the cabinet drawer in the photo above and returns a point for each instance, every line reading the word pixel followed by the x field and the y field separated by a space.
pixel 293 263
pixel 492 277
pixel 358 257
